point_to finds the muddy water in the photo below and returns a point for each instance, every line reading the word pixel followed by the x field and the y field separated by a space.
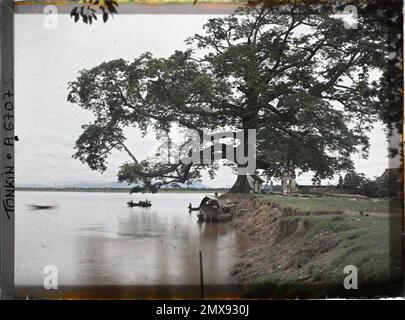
pixel 95 239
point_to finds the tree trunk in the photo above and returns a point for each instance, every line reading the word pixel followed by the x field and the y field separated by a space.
pixel 241 185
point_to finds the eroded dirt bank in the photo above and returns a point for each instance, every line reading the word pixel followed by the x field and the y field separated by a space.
pixel 294 248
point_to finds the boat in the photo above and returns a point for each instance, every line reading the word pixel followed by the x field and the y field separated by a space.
pixel 40 207
pixel 214 209
pixel 143 204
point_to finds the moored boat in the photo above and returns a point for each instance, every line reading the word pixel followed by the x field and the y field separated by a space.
pixel 214 209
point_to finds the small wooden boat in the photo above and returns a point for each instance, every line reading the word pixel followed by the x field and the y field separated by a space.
pixel 143 204
pixel 40 207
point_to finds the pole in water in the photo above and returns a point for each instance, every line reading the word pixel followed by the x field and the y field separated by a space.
pixel 201 276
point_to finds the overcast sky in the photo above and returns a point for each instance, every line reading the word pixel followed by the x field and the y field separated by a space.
pixel 48 126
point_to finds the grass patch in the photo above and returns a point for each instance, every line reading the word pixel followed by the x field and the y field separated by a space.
pixel 329 203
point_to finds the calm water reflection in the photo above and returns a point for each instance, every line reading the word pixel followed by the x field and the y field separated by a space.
pixel 94 238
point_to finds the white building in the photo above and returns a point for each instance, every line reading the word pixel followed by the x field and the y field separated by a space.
pixel 256 183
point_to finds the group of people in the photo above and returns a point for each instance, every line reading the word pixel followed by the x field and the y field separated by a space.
pixel 141 203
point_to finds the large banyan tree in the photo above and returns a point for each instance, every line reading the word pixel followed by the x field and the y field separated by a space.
pixel 309 84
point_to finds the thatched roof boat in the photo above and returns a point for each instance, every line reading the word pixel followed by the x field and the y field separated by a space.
pixel 214 209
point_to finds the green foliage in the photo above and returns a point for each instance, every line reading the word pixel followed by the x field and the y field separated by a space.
pixel 385 186
pixel 88 9
pixel 375 189
pixel 354 182
pixel 96 143
pixel 308 94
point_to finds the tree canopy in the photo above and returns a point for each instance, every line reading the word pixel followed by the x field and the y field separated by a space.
pixel 306 83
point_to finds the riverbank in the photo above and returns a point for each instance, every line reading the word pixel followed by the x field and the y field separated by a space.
pixel 302 245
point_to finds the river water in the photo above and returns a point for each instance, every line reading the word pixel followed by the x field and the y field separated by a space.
pixel 93 238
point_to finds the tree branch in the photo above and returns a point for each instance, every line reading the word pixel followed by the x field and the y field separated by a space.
pixel 129 152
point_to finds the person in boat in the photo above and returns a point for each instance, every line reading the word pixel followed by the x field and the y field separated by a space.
pixel 141 203
pixel 191 208
pixel 145 203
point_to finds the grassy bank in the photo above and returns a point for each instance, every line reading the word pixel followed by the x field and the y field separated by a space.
pixel 302 245
pixel 328 203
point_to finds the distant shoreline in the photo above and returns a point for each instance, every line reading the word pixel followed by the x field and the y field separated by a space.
pixel 117 190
